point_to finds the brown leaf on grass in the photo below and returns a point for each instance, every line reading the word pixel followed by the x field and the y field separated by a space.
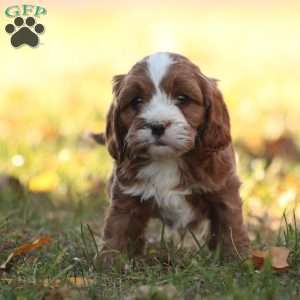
pixel 278 256
pixel 26 248
pixel 258 258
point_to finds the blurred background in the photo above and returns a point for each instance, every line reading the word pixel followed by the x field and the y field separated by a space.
pixel 52 95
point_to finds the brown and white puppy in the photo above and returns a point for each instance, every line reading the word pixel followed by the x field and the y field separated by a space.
pixel 168 132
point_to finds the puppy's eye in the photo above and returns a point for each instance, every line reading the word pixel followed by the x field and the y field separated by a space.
pixel 182 99
pixel 136 103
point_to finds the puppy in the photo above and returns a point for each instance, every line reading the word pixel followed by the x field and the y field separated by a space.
pixel 168 131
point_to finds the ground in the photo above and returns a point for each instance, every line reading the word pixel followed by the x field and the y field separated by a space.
pixel 52 177
pixel 67 267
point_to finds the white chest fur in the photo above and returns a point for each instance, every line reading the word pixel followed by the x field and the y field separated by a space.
pixel 159 181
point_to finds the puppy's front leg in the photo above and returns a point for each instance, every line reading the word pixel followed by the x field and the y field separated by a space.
pixel 125 226
pixel 227 226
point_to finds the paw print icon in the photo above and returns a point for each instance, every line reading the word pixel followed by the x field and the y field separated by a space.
pixel 24 33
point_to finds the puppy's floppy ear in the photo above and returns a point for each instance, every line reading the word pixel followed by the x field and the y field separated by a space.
pixel 115 132
pixel 215 133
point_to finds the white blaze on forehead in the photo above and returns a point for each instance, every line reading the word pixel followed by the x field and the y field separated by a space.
pixel 158 65
pixel 160 107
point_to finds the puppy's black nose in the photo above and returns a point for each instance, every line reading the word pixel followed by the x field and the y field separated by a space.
pixel 158 129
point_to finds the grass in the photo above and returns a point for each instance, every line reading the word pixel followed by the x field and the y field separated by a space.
pixel 74 224
pixel 61 175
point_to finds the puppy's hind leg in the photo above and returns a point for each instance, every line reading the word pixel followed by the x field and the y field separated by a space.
pixel 227 226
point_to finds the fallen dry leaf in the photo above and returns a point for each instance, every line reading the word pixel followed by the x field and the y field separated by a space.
pixel 278 256
pixel 258 258
pixel 25 248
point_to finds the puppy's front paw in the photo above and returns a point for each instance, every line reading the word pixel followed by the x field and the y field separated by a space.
pixel 110 259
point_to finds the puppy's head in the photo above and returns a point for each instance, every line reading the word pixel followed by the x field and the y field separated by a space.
pixel 163 108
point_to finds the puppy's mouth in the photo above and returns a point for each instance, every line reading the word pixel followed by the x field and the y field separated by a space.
pixel 160 143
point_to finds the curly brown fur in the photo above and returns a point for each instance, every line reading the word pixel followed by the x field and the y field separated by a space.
pixel 182 174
